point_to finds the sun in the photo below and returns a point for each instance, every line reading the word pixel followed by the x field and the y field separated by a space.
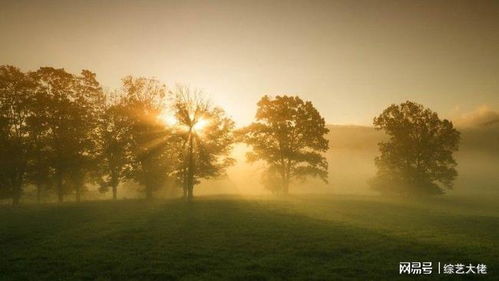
pixel 200 124
pixel 168 119
pixel 171 121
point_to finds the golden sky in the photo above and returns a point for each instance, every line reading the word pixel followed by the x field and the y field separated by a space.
pixel 350 58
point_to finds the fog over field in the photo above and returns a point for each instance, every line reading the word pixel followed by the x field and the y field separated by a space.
pixel 351 164
pixel 351 161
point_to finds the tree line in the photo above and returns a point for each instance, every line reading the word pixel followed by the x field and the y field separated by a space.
pixel 60 132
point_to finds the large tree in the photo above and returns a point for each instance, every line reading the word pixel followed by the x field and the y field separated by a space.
pixel 39 171
pixel 72 107
pixel 16 96
pixel 289 136
pixel 114 144
pixel 418 157
pixel 152 154
pixel 206 139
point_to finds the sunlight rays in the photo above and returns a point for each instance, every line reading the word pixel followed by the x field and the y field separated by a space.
pixel 200 124
pixel 170 120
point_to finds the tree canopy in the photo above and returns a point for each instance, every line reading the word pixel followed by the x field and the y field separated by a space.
pixel 150 149
pixel 70 109
pixel 289 136
pixel 206 138
pixel 16 93
pixel 114 144
pixel 418 157
pixel 60 132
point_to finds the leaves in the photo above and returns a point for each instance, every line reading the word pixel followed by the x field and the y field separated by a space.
pixel 206 137
pixel 419 156
pixel 289 135
pixel 16 92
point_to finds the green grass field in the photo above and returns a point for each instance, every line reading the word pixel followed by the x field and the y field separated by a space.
pixel 247 238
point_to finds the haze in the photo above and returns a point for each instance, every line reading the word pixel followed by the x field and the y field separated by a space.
pixel 350 58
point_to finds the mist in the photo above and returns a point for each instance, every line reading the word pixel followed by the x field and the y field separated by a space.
pixel 351 164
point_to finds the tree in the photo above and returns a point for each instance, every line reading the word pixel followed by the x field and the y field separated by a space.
pixel 90 99
pixel 114 145
pixel 206 139
pixel 152 157
pixel 289 136
pixel 418 158
pixel 72 107
pixel 16 95
pixel 39 171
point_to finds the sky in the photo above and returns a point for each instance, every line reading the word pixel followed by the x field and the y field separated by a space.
pixel 350 58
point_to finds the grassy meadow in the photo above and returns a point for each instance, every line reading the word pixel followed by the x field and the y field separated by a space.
pixel 303 237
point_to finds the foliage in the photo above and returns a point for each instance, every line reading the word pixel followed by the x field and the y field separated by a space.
pixel 206 139
pixel 114 144
pixel 59 131
pixel 289 136
pixel 418 158
pixel 16 94
pixel 71 109
pixel 152 158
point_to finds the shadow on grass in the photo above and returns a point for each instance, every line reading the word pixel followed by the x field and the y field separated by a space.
pixel 212 239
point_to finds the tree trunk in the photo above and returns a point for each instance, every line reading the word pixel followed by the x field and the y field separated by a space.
pixel 60 194
pixel 78 193
pixel 184 188
pixel 115 191
pixel 285 187
pixel 17 191
pixel 284 182
pixel 190 188
pixel 190 193
pixel 190 171
pixel 16 197
pixel 38 193
pixel 148 192
pixel 184 182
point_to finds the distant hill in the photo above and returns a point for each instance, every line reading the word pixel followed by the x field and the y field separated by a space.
pixel 354 137
pixel 482 138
